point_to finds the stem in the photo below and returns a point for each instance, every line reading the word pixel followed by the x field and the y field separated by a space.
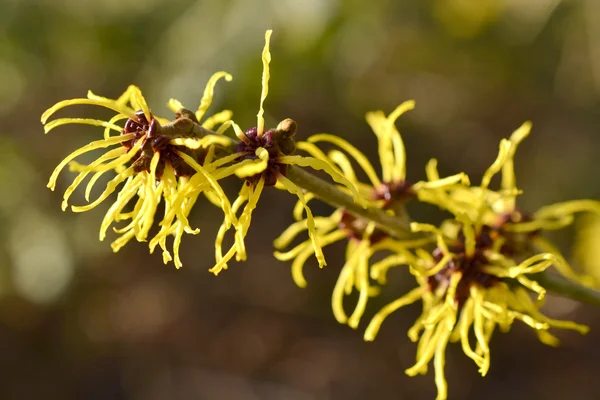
pixel 331 195
pixel 565 288
pixel 398 227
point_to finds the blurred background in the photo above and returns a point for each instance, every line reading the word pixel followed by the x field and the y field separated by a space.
pixel 79 322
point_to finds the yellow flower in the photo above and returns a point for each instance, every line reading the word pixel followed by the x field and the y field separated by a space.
pixel 586 249
pixel 364 240
pixel 481 273
pixel 520 231
pixel 153 159
pixel 263 159
pixel 468 284
pixel 388 192
pixel 392 186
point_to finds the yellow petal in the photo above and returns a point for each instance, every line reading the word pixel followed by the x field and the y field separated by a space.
pixel 266 59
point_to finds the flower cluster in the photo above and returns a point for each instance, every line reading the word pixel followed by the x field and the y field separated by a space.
pixel 389 193
pixel 156 160
pixel 474 272
pixel 153 159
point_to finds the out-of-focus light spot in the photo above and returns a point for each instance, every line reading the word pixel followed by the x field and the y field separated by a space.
pixel 144 309
pixel 304 21
pixel 15 177
pixel 439 99
pixel 592 16
pixel 359 45
pixel 42 261
pixel 94 317
pixel 190 49
pixel 466 18
pixel 190 383
pixel 105 9
pixel 12 82
pixel 524 19
pixel 251 339
pixel 86 243
pixel 4 275
pixel 560 307
pixel 245 20
pixel 326 363
pixel 574 79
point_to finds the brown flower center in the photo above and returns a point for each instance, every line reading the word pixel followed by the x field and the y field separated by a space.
pixel 156 139
pixel 278 142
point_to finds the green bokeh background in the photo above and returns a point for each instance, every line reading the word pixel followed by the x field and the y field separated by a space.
pixel 79 322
